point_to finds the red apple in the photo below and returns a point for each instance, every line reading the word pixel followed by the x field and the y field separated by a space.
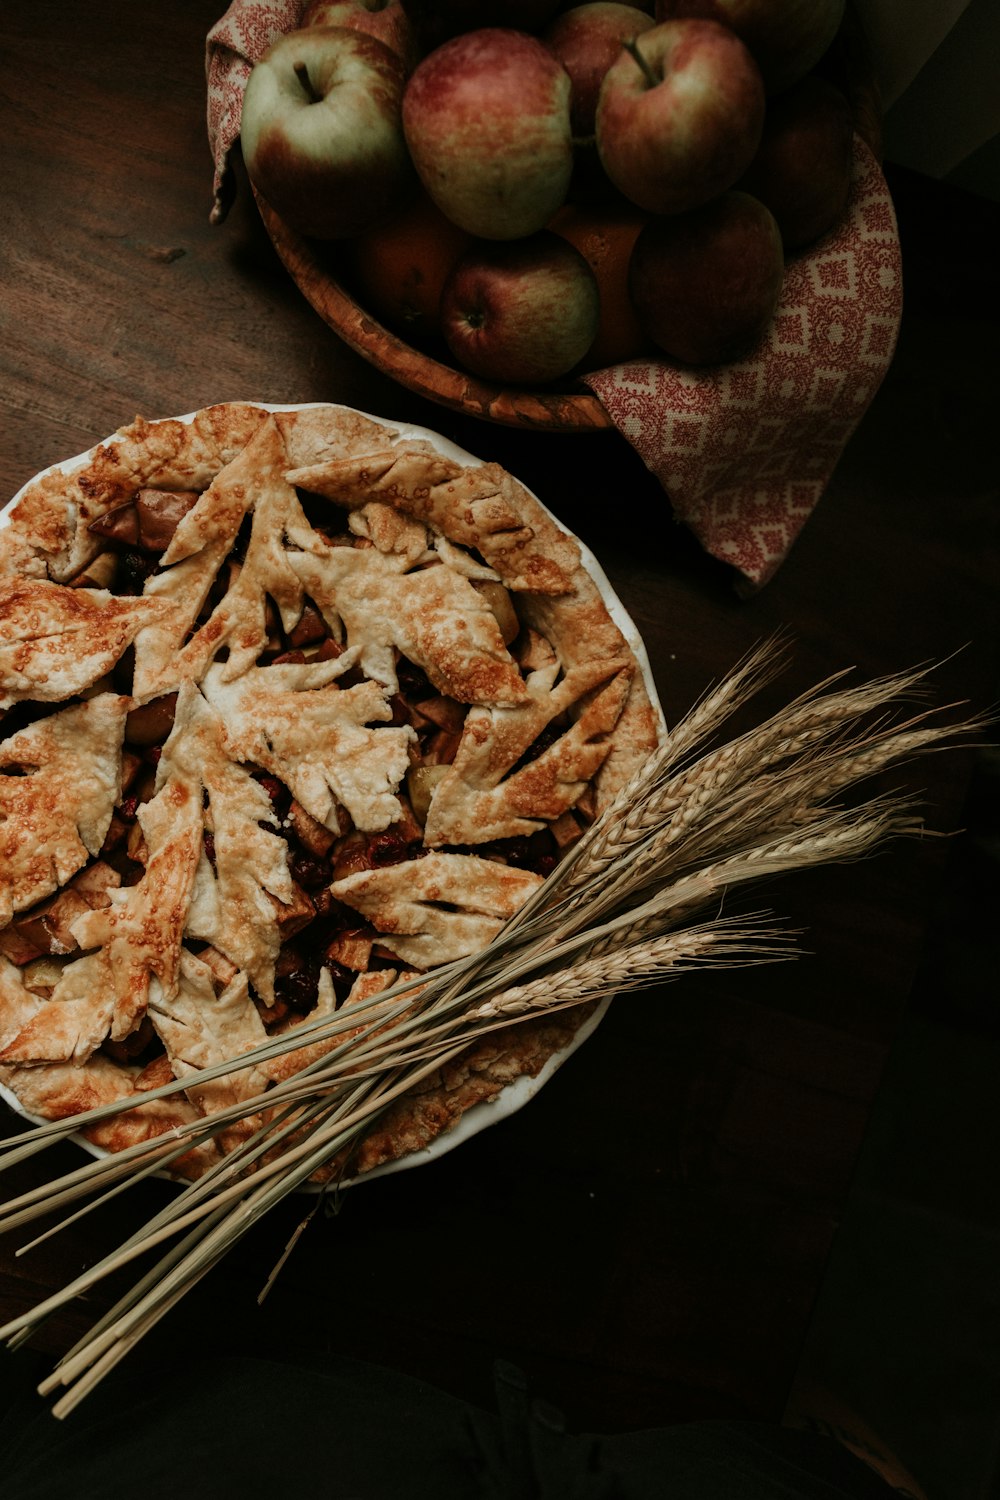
pixel 321 130
pixel 705 285
pixel 786 37
pixel 802 170
pixel 586 40
pixel 486 118
pixel 680 115
pixel 522 313
pixel 385 19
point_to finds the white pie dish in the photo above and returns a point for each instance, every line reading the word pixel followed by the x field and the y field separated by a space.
pixel 516 1094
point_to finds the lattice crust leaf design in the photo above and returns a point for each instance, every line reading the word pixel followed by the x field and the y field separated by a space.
pixel 354 658
pixel 67 1027
pixel 174 650
pixel 440 907
pixel 139 933
pixel 480 507
pixel 486 794
pixel 325 743
pixel 433 616
pixel 58 641
pixel 235 897
pixel 200 1028
pixel 59 781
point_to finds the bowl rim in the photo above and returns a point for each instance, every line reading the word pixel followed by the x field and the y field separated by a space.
pixel 543 411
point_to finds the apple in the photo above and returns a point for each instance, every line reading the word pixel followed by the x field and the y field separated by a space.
pixel 385 19
pixel 486 119
pixel 680 115
pixel 705 285
pixel 321 130
pixel 787 38
pixel 605 235
pixel 401 267
pixel 586 40
pixel 802 170
pixel 522 312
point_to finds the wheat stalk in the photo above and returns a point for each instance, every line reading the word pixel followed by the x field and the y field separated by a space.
pixel 700 818
pixel 636 964
pixel 641 804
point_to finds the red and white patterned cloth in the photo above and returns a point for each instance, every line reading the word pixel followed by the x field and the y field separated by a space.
pixel 233 45
pixel 744 451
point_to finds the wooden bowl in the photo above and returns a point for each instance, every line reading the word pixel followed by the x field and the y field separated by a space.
pixel 543 410
pixel 848 64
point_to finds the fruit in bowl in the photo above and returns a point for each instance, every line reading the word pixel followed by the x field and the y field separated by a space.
pixel 605 236
pixel 321 131
pixel 524 312
pixel 802 170
pixel 611 126
pixel 787 38
pixel 400 269
pixel 680 115
pixel 587 39
pixel 486 119
pixel 706 284
pixel 385 19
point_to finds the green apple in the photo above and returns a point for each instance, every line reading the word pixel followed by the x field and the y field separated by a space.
pixel 321 131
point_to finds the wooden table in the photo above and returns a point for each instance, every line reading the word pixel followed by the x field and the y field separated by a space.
pixel 647 1239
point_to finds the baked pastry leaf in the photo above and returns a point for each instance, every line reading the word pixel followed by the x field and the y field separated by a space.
pixel 66 1027
pixel 487 794
pixel 60 778
pixel 440 907
pixel 139 933
pixel 236 895
pixel 200 1028
pixel 481 507
pixel 329 746
pixel 433 616
pixel 58 641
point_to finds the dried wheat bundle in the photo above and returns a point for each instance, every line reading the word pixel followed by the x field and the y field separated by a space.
pixel 625 909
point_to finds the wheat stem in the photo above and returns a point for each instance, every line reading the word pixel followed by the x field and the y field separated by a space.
pixel 698 819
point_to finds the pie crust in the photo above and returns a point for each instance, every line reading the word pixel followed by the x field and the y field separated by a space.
pixel 291 701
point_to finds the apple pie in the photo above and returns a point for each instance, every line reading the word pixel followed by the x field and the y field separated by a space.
pixel 292 702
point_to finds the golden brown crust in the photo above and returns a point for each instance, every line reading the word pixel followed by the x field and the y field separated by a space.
pixel 436 551
pixel 385 609
pixel 47 535
pixel 478 506
pixel 479 1077
pixel 52 517
pixel 55 642
pixel 440 907
pixel 54 816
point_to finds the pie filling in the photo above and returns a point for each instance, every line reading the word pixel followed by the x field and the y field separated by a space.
pixel 291 706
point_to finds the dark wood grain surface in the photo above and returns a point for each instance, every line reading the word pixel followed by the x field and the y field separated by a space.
pixel 646 1239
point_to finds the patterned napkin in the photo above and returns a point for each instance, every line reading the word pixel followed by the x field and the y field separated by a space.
pixel 232 47
pixel 744 451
